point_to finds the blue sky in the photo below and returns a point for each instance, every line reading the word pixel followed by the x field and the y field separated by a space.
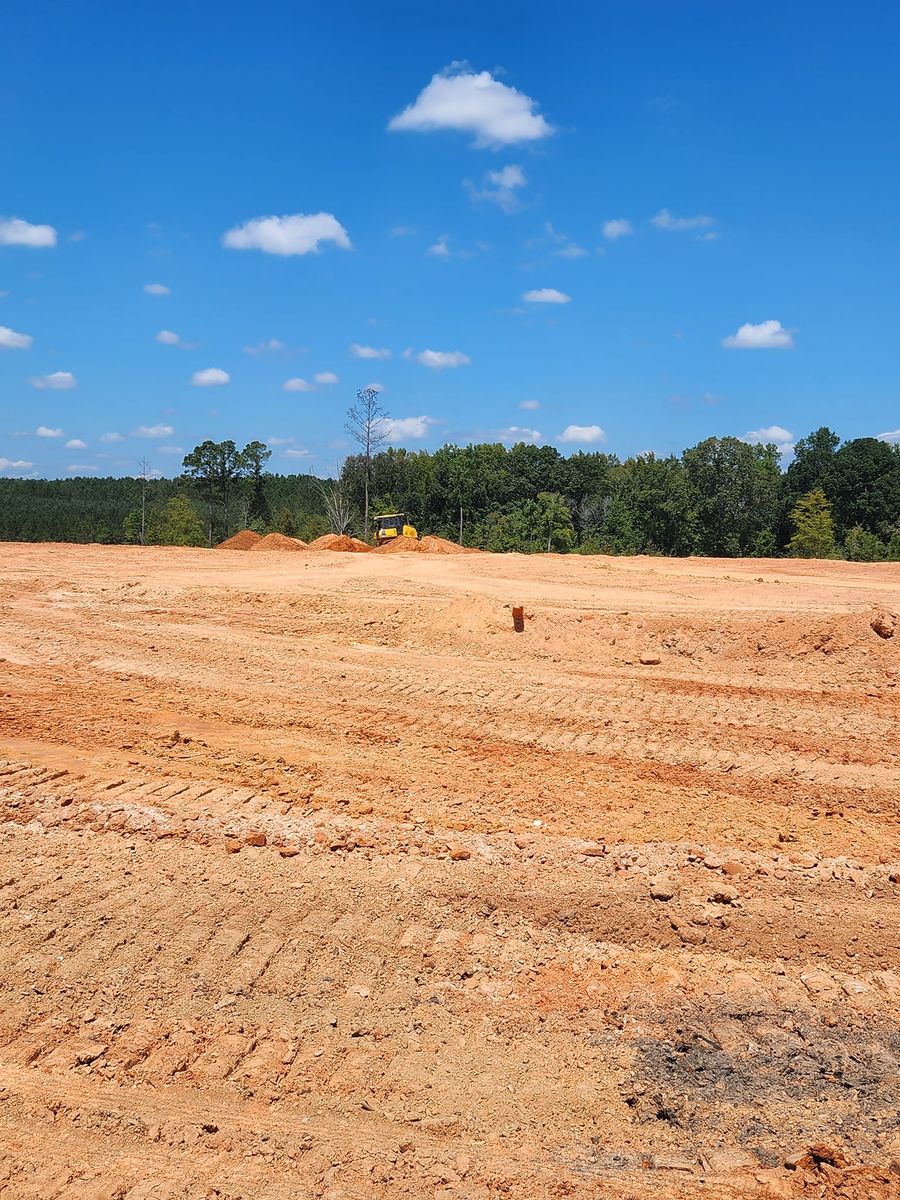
pixel 601 225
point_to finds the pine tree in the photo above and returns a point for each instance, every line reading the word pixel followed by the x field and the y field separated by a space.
pixel 813 527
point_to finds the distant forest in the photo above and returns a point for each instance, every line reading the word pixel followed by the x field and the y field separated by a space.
pixel 722 497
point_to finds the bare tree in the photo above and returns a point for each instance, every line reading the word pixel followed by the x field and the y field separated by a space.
pixel 337 507
pixel 144 475
pixel 367 425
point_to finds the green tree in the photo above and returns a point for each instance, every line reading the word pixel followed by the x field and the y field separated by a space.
pixel 862 546
pixel 556 521
pixel 178 524
pixel 255 455
pixel 735 492
pixel 216 468
pixel 813 527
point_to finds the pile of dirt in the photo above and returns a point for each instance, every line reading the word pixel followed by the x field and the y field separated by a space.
pixel 400 544
pixel 340 542
pixel 245 540
pixel 438 545
pixel 278 541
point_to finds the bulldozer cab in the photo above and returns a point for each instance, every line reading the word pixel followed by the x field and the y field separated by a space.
pixel 391 525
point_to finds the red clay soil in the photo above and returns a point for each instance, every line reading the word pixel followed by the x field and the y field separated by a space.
pixel 318 880
pixel 438 545
pixel 339 542
pixel 277 542
pixel 245 540
pixel 400 545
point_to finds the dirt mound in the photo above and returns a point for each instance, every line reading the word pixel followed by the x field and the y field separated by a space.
pixel 245 540
pixel 399 545
pixel 438 545
pixel 278 541
pixel 340 542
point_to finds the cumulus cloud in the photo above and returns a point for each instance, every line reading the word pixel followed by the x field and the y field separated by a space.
pixel 519 433
pixel 14 232
pixel 76 444
pixel 14 464
pixel 403 231
pixel 112 437
pixel 44 432
pixel 571 250
pixel 892 435
pixel 499 187
pixel 546 296
pixel 295 233
pixel 401 429
pixel 169 450
pixel 277 441
pixel 269 347
pixel 10 340
pixel 297 454
pixel 325 377
pixel 359 351
pixel 619 227
pixel 60 381
pixel 439 360
pixel 81 469
pixel 582 434
pixel 167 338
pixel 771 433
pixel 441 248
pixel 767 335
pixel 297 385
pixel 154 431
pixel 473 102
pixel 157 289
pixel 530 405
pixel 210 377
pixel 665 220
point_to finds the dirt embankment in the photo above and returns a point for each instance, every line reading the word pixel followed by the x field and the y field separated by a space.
pixel 317 879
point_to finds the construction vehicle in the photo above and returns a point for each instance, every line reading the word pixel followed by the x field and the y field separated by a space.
pixel 391 525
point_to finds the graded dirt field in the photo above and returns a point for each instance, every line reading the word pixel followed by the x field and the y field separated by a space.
pixel 317 880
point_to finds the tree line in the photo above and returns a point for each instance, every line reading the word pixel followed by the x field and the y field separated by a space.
pixel 721 497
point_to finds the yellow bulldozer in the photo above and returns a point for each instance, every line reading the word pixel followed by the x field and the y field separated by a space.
pixel 391 525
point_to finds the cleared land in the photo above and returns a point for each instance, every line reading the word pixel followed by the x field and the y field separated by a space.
pixel 317 880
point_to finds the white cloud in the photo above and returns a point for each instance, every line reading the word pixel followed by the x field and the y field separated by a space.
pixel 60 381
pixel 297 385
pixel 154 431
pixel 375 387
pixel 76 444
pixel 10 340
pixel 892 435
pixel 270 346
pixel 582 434
pixel 767 335
pixel 169 450
pixel 530 405
pixel 210 377
pixel 44 432
pixel 325 377
pixel 296 454
pixel 277 441
pixel 359 351
pixel 14 232
pixel 771 433
pixel 441 248
pixel 403 231
pixel 157 289
pixel 438 360
pixel 665 220
pixel 295 233
pixel 470 102
pixel 617 228
pixel 519 433
pixel 167 338
pixel 499 187
pixel 402 429
pixel 14 464
pixel 112 437
pixel 571 250
pixel 546 296
pixel 81 469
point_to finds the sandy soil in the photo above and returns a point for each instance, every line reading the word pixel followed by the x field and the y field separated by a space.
pixel 317 880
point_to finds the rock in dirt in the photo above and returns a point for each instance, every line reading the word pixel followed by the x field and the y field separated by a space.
pixel 650 660
pixel 884 624
pixel 723 894
pixel 662 888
